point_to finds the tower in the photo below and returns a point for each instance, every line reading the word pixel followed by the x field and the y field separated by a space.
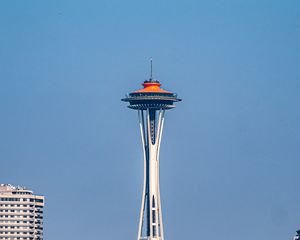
pixel 151 103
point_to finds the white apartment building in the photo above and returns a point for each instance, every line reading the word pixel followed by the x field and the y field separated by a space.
pixel 21 214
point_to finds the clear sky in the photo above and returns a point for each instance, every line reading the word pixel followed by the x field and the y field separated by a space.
pixel 230 155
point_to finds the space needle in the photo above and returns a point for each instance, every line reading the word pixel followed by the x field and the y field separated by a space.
pixel 151 102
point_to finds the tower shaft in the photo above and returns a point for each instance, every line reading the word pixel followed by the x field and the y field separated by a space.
pixel 151 103
pixel 151 224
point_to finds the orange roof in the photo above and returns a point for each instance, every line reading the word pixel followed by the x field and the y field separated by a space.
pixel 152 87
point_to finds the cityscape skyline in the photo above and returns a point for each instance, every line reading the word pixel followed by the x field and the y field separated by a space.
pixel 231 155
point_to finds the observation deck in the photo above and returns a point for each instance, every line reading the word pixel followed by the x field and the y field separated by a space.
pixel 152 96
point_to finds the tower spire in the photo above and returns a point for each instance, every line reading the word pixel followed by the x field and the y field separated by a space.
pixel 151 79
pixel 151 68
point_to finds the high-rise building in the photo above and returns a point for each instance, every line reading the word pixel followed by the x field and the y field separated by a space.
pixel 21 213
pixel 151 103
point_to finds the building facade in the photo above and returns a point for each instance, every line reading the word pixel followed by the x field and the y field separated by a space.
pixel 21 213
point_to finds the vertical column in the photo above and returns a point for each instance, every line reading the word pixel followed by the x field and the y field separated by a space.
pixel 151 127
pixel 160 129
pixel 145 185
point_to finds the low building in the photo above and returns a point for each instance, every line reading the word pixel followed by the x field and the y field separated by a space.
pixel 21 213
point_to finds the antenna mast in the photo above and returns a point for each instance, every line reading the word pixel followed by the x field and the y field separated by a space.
pixel 151 68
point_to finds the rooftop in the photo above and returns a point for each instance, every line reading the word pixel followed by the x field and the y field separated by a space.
pixel 11 189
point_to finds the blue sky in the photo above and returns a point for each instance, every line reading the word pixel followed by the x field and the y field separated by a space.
pixel 230 154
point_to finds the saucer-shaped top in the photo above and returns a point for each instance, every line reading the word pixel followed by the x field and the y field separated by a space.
pixel 152 96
